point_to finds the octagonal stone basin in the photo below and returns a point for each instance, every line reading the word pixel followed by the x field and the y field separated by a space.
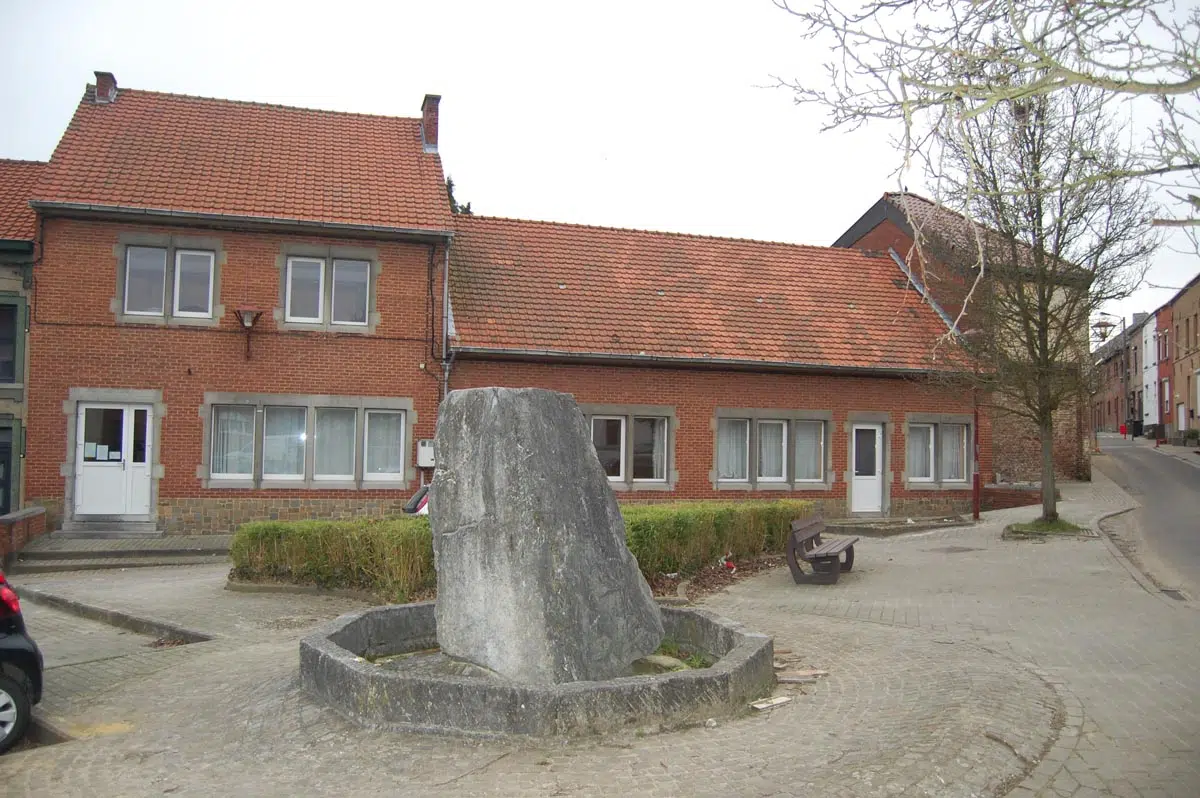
pixel 336 667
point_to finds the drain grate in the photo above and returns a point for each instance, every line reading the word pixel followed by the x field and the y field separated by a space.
pixel 1175 594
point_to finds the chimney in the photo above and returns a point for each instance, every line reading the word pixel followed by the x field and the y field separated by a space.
pixel 429 122
pixel 106 88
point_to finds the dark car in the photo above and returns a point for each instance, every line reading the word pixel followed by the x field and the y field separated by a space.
pixel 20 670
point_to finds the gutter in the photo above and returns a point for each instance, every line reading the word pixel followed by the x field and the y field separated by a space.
pixel 126 211
pixel 19 246
pixel 671 360
pixel 912 278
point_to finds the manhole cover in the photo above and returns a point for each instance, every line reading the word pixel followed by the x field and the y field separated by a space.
pixel 954 549
pixel 1175 594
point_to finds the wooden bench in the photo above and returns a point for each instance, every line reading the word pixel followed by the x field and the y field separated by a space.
pixel 804 543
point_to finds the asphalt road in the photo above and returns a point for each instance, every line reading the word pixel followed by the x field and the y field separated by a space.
pixel 1169 518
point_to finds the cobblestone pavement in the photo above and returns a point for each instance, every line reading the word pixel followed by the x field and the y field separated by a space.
pixel 959 664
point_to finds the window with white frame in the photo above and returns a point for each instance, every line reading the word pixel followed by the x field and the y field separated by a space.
pixel 649 449
pixel 305 298
pixel 383 455
pixel 608 436
pixel 810 450
pixel 771 449
pixel 168 282
pixel 145 281
pixel 953 454
pixel 284 442
pixel 232 442
pixel 193 283
pixel 306 444
pixel 632 443
pixel 920 452
pixel 733 449
pixel 938 452
pixel 351 291
pixel 334 434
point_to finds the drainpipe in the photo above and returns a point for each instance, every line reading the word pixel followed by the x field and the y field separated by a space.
pixel 976 486
pixel 446 361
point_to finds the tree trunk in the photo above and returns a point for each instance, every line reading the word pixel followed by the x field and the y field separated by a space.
pixel 1049 500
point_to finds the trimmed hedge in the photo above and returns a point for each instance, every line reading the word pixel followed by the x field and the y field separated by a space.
pixel 393 558
pixel 683 537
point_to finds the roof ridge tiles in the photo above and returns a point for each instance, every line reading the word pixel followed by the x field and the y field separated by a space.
pixel 259 104
pixel 29 161
pixel 675 234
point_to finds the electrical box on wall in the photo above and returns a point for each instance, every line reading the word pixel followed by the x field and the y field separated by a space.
pixel 425 453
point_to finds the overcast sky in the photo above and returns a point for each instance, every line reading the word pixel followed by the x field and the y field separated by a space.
pixel 641 114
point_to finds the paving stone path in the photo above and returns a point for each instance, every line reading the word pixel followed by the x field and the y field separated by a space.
pixel 959 665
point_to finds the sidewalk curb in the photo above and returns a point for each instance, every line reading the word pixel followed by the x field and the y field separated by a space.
pixel 1138 575
pixel 116 618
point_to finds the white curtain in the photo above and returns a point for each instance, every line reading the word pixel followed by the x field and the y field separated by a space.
pixel 772 439
pixel 650 448
pixel 385 444
pixel 954 455
pixel 733 436
pixel 920 463
pixel 810 450
pixel 233 441
pixel 283 442
pixel 335 442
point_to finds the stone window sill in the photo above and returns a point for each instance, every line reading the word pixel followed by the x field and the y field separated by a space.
pixel 634 487
pixel 919 486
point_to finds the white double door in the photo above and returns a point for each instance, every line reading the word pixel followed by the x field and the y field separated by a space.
pixel 866 452
pixel 113 460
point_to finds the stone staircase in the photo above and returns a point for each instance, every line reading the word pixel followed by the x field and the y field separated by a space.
pixel 55 553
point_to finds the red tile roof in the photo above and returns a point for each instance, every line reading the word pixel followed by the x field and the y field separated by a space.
pixel 572 289
pixel 181 153
pixel 17 179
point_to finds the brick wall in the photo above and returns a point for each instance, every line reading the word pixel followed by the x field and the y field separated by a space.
pixel 1018 449
pixel 695 395
pixel 17 529
pixel 75 341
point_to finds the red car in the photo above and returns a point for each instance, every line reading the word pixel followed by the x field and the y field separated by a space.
pixel 20 670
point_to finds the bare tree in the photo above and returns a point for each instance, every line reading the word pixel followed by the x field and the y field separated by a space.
pixel 926 63
pixel 1040 245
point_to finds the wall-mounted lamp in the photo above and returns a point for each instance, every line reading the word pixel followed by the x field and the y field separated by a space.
pixel 247 318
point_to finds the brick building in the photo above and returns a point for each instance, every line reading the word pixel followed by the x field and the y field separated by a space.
pixel 1185 360
pixel 896 222
pixel 18 233
pixel 166 222
pixel 723 368
pixel 239 315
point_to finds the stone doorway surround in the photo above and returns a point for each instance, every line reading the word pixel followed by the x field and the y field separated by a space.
pixel 132 396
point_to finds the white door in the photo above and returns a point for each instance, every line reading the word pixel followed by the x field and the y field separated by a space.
pixel 866 487
pixel 1180 417
pixel 112 459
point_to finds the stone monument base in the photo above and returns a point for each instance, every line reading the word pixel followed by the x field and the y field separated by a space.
pixel 337 665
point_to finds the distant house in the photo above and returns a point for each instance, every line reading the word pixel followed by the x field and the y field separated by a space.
pixel 950 244
pixel 18 236
pixel 244 313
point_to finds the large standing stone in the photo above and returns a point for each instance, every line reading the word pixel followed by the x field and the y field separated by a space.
pixel 534 578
